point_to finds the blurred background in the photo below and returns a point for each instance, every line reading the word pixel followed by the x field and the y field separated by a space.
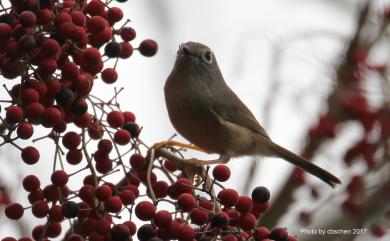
pixel 287 60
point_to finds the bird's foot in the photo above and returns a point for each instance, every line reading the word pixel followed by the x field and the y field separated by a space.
pixel 176 143
pixel 196 162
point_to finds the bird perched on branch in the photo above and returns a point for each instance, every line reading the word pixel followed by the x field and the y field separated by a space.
pixel 205 111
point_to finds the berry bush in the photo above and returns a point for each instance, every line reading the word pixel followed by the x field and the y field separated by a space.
pixel 52 54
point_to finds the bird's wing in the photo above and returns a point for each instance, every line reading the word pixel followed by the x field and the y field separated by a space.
pixel 232 109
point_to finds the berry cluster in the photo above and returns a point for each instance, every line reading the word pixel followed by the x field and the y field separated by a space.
pixel 57 50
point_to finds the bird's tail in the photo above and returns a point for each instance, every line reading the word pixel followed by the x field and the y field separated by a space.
pixel 305 165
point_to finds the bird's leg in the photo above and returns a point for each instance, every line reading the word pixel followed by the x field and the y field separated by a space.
pixel 176 143
pixel 223 158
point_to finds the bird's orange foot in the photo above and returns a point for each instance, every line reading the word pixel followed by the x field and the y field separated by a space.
pixel 176 143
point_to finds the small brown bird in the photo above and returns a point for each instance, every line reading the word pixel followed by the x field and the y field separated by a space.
pixel 204 110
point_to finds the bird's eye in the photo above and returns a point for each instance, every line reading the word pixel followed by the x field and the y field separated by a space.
pixel 208 57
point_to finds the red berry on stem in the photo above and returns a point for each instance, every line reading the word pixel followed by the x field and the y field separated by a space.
pixel 221 173
pixel 40 209
pixel 228 197
pixel 27 19
pixel 128 34
pixel 115 119
pixel 247 221
pixel 113 204
pixel 185 233
pixel 122 137
pixel 14 211
pixel 103 192
pixel 109 75
pixel 244 204
pixel 30 155
pixel 14 114
pixel 137 161
pixel 25 130
pixel 31 183
pixel 59 178
pixel 162 219
pixel 148 47
pixel 145 210
pixel 186 202
pixel 71 140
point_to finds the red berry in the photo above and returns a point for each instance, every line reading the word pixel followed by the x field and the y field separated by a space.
pixel 244 204
pixel 31 183
pixel 96 24
pixel 160 189
pixel 220 220
pixel 44 16
pixel 127 50
pixel 199 216
pixel 53 229
pixel 145 210
pixel 122 137
pixel 47 66
pixel 71 140
pixel 132 227
pixel 30 155
pixel 27 19
pixel 103 192
pixel 186 202
pixel 115 119
pixel 103 226
pixel 50 48
pixel 52 117
pixel 55 213
pixel 104 167
pixel 14 211
pixel 74 156
pixel 29 95
pixel 34 111
pixel 127 197
pixel 95 7
pixel 128 116
pixel 120 232
pixel 170 165
pixel 86 192
pixel 40 209
pixel 221 173
pixel 59 178
pixel 113 204
pixel 61 18
pixel 70 71
pixel 185 233
pixel 228 197
pixel 183 185
pixel 128 34
pixel 5 31
pixel 148 47
pixel 114 14
pixel 109 75
pixel 260 208
pixel 78 18
pixel 92 56
pixel 162 219
pixel 14 114
pixel 261 233
pixel 25 130
pixel 247 221
pixel 105 146
pixel 137 161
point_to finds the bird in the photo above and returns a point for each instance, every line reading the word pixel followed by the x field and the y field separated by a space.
pixel 205 111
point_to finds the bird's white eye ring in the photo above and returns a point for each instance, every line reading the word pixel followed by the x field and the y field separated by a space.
pixel 208 57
